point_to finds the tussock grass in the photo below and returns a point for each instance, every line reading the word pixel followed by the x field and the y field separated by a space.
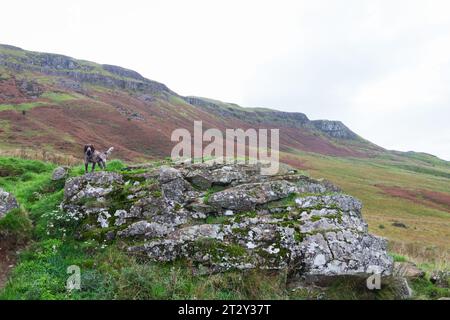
pixel 21 106
pixel 16 226
pixel 41 155
pixel 58 97
pixel 429 258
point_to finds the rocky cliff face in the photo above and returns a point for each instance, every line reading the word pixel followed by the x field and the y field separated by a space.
pixel 255 116
pixel 223 217
pixel 333 129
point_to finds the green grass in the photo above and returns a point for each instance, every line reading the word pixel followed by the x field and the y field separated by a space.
pixel 26 179
pixel 425 289
pixel 107 272
pixel 4 75
pixel 216 219
pixel 115 166
pixel 54 98
pixel 210 192
pixel 289 201
pixel 16 226
pixel 111 166
pixel 398 257
pixel 353 288
pixel 58 97
pixel 12 52
pixel 21 106
pixel 425 170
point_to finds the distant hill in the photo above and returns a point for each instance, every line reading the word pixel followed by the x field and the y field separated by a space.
pixel 57 102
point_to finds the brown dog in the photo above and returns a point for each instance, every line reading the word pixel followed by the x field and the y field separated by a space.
pixel 95 157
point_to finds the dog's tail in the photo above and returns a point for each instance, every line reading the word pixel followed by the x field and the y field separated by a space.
pixel 109 151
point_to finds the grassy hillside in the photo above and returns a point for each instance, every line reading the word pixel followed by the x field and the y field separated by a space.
pixel 108 273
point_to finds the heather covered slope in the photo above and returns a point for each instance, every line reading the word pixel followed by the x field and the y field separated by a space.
pixel 56 103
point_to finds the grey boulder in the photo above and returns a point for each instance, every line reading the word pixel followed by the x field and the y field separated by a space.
pixel 286 221
pixel 60 173
pixel 7 202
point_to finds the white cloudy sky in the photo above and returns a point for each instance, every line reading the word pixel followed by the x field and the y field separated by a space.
pixel 382 67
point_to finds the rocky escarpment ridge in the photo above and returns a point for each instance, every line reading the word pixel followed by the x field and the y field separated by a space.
pixel 334 129
pixel 296 119
pixel 78 71
pixel 7 202
pixel 224 217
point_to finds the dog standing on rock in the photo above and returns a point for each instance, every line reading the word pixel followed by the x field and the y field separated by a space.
pixel 95 157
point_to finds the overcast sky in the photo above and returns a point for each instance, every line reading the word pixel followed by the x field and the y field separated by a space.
pixel 381 67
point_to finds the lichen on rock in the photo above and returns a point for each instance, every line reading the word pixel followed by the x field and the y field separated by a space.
pixel 60 173
pixel 223 217
pixel 7 202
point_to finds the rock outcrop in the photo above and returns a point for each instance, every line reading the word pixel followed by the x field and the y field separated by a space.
pixel 222 217
pixel 335 129
pixel 296 119
pixel 7 202
pixel 60 173
pixel 408 270
pixel 441 278
pixel 30 88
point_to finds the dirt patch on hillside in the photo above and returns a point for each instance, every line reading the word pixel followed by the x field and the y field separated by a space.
pixel 8 258
pixel 434 199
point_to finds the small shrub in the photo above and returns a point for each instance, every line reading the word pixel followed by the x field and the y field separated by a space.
pixel 217 219
pixel 424 289
pixel 398 257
